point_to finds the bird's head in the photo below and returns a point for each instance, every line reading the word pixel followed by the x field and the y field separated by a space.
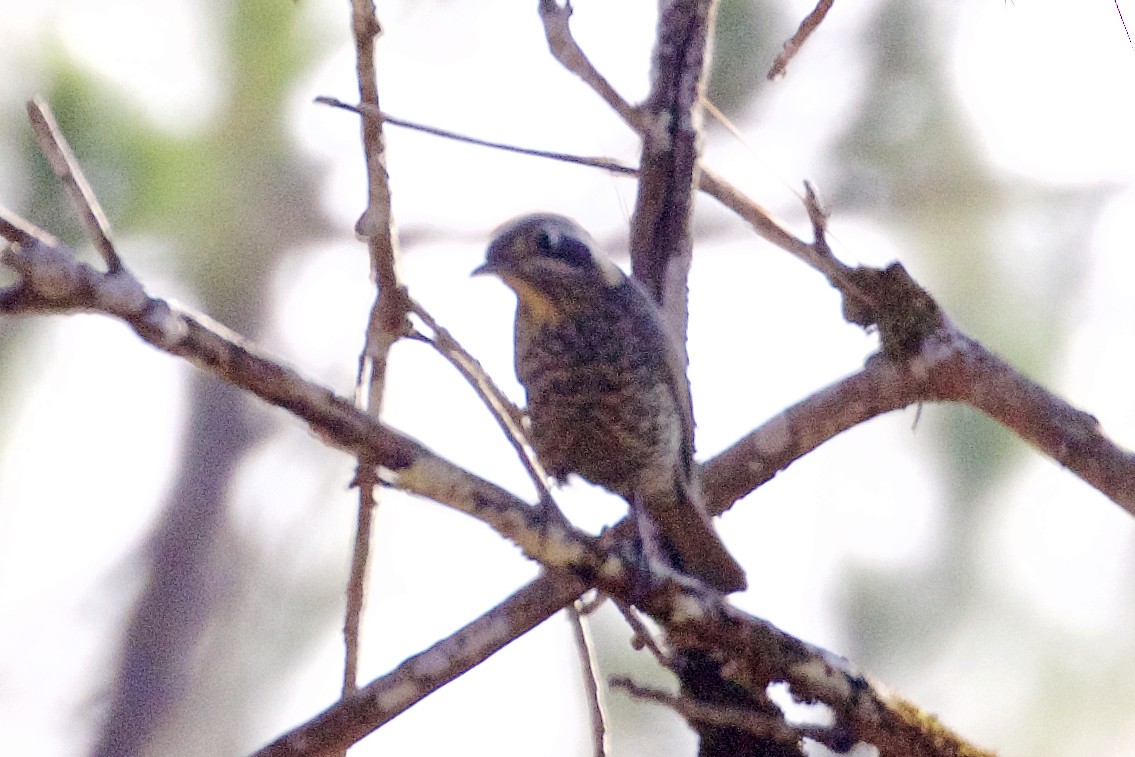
pixel 551 264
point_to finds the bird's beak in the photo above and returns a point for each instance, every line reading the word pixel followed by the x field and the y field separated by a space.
pixel 489 267
pixel 496 262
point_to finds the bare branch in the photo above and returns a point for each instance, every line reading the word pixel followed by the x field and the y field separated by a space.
pixel 387 322
pixel 355 716
pixel 810 23
pixel 962 370
pixel 700 713
pixel 754 652
pixel 508 416
pixel 58 153
pixel 941 364
pixel 65 284
pixel 566 50
pixel 754 459
pixel 367 111
pixel 671 122
pixel 588 662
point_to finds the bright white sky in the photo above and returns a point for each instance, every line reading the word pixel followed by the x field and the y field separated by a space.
pixel 1049 85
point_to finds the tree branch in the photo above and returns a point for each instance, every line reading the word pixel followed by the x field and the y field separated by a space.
pixel 670 118
pixel 53 280
pixel 690 612
pixel 66 168
pixel 924 357
pixel 949 366
pixel 386 324
pixel 810 23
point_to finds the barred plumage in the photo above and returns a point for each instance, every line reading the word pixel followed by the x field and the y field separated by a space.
pixel 607 394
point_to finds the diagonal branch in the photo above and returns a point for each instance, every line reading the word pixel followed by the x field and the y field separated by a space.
pixel 755 652
pixel 66 168
pixel 355 716
pixel 507 415
pixel 810 23
pixel 54 280
pixel 753 460
pixel 727 477
pixel 60 282
pixel 932 359
pixel 925 357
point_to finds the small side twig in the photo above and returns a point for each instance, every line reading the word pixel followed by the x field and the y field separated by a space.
pixel 369 111
pixel 1123 21
pixel 702 713
pixel 567 51
pixel 642 637
pixel 58 152
pixel 508 416
pixel 810 23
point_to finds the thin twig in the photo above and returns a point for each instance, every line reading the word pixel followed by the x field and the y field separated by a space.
pixel 385 325
pixel 370 112
pixel 810 23
pixel 699 712
pixel 58 152
pixel 1124 22
pixel 588 606
pixel 19 230
pixel 567 51
pixel 508 416
pixel 588 662
pixel 642 637
pixel 759 218
pixel 365 483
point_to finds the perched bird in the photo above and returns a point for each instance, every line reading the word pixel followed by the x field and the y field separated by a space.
pixel 607 392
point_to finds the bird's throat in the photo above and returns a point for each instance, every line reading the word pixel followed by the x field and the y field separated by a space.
pixel 537 306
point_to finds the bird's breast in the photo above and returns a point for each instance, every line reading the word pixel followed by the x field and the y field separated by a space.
pixel 598 400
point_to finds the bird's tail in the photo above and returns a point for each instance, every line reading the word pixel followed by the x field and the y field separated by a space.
pixel 689 533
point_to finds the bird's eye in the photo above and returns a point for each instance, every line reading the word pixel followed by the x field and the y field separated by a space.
pixel 544 241
pixel 565 248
